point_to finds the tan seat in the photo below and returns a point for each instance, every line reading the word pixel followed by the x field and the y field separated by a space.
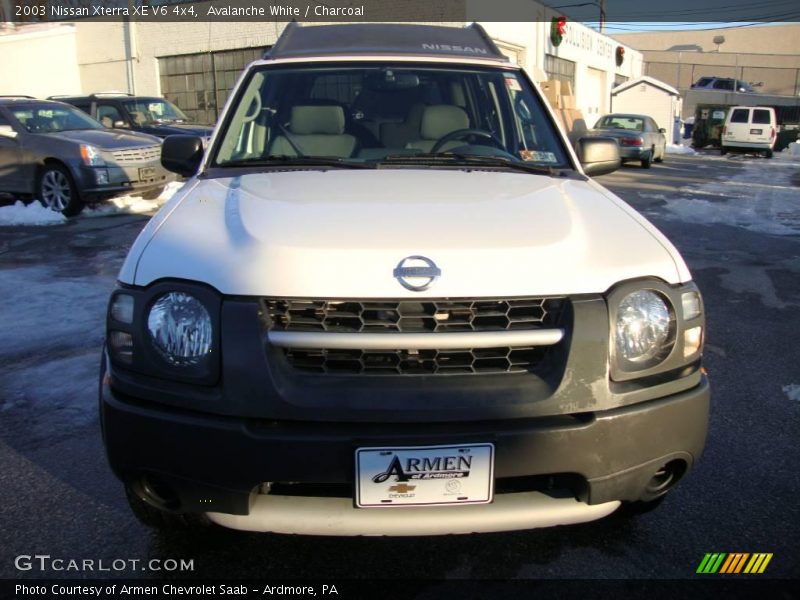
pixel 316 131
pixel 438 121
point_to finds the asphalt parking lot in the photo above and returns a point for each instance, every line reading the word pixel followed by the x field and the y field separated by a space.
pixel 736 221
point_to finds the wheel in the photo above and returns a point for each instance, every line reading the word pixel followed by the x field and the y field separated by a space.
pixel 768 153
pixel 661 156
pixel 152 194
pixel 647 160
pixel 723 150
pixel 57 191
pixel 159 519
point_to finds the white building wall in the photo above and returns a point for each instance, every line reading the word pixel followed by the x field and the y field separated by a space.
pixel 39 62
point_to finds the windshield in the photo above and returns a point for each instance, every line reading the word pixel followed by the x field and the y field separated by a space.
pixel 388 114
pixel 149 111
pixel 51 118
pixel 620 122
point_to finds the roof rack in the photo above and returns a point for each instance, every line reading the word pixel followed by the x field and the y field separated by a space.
pixel 384 39
pixel 18 97
pixel 106 94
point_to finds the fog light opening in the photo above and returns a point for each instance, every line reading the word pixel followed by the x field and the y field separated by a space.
pixel 665 478
pixel 157 493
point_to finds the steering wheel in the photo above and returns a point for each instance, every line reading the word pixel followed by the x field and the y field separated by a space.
pixel 460 133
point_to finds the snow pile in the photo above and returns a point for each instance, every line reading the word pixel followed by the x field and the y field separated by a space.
pixel 792 150
pixel 759 197
pixel 32 214
pixel 680 149
pixel 132 204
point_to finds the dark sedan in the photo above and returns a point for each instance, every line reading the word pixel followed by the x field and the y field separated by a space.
pixel 65 158
pixel 145 114
pixel 638 136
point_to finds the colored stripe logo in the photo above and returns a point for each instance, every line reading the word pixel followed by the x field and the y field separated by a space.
pixel 734 563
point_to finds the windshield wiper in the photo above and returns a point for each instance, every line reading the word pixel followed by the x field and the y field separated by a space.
pixel 473 160
pixel 299 161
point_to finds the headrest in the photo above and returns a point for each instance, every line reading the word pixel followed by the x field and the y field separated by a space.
pixel 439 120
pixel 307 120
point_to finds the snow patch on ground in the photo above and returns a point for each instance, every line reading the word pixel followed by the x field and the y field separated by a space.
pixel 32 214
pixel 680 149
pixel 132 204
pixel 791 152
pixel 793 391
pixel 36 214
pixel 758 197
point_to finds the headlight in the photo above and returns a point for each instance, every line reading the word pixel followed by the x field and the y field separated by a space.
pixel 180 329
pixel 644 331
pixel 91 156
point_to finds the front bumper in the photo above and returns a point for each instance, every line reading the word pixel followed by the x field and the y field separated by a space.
pixel 118 180
pixel 216 464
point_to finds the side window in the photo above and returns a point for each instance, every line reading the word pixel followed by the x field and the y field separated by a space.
pixel 3 120
pixel 723 84
pixel 85 107
pixel 761 117
pixel 740 115
pixel 108 114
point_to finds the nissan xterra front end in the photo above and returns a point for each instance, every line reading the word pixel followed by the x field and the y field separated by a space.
pixel 389 301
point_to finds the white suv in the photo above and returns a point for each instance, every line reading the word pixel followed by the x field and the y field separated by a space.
pixel 390 301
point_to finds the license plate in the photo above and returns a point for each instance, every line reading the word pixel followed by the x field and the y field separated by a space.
pixel 147 173
pixel 424 475
pixel 756 131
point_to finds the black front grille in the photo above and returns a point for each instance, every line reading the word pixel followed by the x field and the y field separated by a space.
pixel 406 316
pixel 429 316
pixel 417 362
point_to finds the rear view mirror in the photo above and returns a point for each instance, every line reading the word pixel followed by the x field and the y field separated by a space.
pixel 662 130
pixel 120 125
pixel 7 131
pixel 598 155
pixel 182 154
pixel 387 79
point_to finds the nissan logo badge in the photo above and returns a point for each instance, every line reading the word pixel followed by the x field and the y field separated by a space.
pixel 416 273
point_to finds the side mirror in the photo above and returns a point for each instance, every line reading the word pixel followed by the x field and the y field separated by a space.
pixel 7 131
pixel 598 155
pixel 662 130
pixel 120 125
pixel 182 154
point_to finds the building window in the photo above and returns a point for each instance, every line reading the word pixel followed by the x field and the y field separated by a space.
pixel 199 84
pixel 620 79
pixel 559 69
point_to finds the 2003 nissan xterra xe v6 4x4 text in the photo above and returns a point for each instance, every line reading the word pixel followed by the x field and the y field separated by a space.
pixel 390 301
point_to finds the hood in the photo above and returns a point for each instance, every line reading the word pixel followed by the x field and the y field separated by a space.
pixel 107 139
pixel 162 130
pixel 341 233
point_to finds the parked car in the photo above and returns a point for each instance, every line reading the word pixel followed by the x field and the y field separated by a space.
pixel 749 128
pixel 63 157
pixel 441 327
pixel 639 137
pixel 145 114
pixel 722 84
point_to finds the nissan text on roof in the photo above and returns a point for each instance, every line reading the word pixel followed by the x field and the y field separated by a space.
pixel 389 300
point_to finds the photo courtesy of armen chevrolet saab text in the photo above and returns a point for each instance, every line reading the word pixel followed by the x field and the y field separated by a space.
pixel 390 300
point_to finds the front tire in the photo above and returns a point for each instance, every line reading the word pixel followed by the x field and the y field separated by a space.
pixel 648 160
pixel 661 156
pixel 57 191
pixel 768 153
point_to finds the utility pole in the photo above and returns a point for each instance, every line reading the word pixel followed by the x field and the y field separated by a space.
pixel 602 16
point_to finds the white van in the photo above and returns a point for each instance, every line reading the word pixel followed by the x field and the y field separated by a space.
pixel 750 128
pixel 390 300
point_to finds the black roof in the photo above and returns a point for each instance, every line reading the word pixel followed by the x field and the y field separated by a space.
pixel 423 40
